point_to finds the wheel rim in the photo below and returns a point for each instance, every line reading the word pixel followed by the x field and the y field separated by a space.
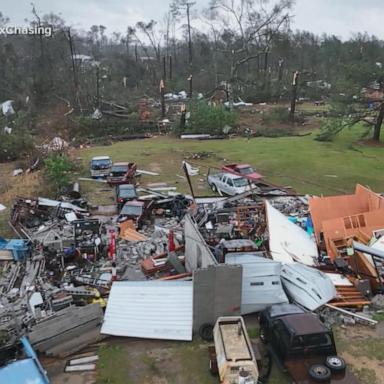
pixel 334 361
pixel 320 371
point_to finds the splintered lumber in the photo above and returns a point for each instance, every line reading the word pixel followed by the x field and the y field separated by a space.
pixel 128 232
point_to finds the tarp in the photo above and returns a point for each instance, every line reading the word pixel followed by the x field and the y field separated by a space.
pixel 287 241
pixel 261 284
pixel 150 309
pixel 307 286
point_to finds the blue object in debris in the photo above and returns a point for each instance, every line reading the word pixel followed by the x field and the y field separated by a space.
pixel 17 247
pixel 309 225
pixel 24 371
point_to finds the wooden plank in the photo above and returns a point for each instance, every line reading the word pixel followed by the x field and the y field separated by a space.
pixel 72 334
pixel 58 326
pixel 75 345
pixel 350 303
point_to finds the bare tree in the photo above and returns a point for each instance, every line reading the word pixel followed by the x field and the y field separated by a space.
pixel 176 9
pixel 249 27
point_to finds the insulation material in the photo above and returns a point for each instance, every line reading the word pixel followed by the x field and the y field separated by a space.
pixel 287 241
pixel 150 309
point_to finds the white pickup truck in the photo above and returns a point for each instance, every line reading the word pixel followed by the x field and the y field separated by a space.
pixel 228 183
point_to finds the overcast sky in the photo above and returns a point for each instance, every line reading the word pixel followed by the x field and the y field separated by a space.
pixel 338 17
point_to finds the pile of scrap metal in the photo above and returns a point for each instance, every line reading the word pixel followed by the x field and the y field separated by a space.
pixel 30 213
pixel 283 231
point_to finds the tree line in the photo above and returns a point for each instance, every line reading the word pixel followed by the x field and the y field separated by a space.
pixel 246 47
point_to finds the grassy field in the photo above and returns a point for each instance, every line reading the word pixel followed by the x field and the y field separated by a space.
pixel 307 165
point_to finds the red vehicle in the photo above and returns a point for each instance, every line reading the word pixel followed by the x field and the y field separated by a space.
pixel 122 173
pixel 244 170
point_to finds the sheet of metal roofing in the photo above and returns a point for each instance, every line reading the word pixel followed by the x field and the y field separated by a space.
pixel 287 241
pixel 150 309
pixel 308 286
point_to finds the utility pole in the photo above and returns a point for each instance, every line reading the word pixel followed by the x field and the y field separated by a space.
pixel 164 68
pixel 294 95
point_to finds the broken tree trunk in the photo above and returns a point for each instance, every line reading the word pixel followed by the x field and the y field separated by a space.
pixel 294 95
pixel 379 122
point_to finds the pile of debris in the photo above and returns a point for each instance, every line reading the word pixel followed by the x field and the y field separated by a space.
pixel 191 259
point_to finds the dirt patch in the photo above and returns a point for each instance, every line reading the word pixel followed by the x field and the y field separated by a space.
pixel 371 143
pixel 155 167
pixel 370 371
pixel 363 349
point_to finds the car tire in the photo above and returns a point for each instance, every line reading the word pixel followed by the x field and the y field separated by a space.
pixel 262 336
pixel 319 373
pixel 206 331
pixel 213 187
pixel 336 364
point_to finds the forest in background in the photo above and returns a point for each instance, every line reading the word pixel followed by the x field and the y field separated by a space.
pixel 244 47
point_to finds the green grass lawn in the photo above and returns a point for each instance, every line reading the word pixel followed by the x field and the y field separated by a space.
pixel 301 162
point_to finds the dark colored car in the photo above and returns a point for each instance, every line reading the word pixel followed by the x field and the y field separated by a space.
pixel 303 346
pixel 122 173
pixel 132 210
pixel 124 193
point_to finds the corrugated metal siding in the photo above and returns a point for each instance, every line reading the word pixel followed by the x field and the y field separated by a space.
pixel 261 284
pixel 150 309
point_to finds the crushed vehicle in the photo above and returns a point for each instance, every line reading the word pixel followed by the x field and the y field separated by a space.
pixel 124 193
pixel 133 210
pixel 303 346
pixel 100 166
pixel 244 170
pixel 233 357
pixel 228 183
pixel 122 173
